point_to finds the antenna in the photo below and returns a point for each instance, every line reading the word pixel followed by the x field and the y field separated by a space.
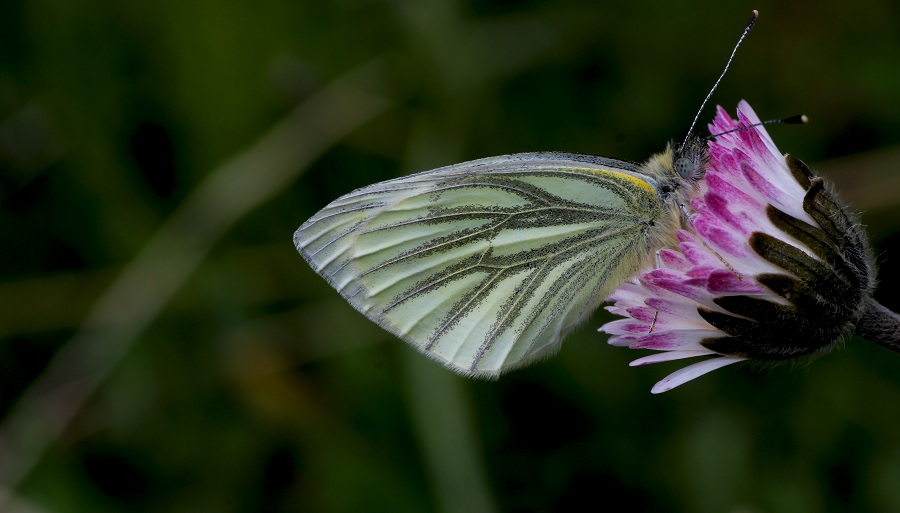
pixel 797 119
pixel 753 16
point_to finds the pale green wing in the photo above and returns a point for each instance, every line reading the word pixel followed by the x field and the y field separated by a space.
pixel 486 265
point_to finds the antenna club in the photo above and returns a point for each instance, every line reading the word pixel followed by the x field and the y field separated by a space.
pixel 791 120
pixel 753 16
pixel 799 119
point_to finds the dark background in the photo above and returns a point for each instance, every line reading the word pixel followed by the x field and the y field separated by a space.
pixel 164 348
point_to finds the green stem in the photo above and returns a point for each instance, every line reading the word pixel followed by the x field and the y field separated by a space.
pixel 880 325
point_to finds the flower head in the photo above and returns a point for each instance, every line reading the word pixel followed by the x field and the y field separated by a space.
pixel 772 266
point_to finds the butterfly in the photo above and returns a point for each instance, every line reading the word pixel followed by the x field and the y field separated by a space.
pixel 486 265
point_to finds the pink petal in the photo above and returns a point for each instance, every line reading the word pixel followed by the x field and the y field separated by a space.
pixel 672 340
pixel 703 271
pixel 721 208
pixel 730 192
pixel 626 327
pixel 681 309
pixel 642 313
pixel 699 255
pixel 677 286
pixel 726 281
pixel 674 260
pixel 765 185
pixel 722 239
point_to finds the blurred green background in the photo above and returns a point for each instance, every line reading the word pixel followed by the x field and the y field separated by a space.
pixel 164 348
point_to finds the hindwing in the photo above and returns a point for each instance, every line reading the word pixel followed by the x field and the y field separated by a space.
pixel 486 265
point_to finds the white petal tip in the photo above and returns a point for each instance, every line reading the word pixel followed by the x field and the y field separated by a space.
pixel 690 372
pixel 668 356
pixel 618 341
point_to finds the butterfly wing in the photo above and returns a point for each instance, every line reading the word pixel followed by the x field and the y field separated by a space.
pixel 486 265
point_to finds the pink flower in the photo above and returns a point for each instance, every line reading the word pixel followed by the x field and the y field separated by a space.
pixel 772 266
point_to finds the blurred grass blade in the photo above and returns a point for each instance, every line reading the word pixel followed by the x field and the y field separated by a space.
pixel 441 411
pixel 136 297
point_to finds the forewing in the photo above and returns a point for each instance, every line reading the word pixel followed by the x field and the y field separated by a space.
pixel 486 265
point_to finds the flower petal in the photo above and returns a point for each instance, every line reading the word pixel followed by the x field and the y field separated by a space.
pixel 690 372
pixel 682 340
pixel 724 253
pixel 668 356
pixel 724 281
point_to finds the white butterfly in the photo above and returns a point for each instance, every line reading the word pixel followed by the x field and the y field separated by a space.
pixel 486 265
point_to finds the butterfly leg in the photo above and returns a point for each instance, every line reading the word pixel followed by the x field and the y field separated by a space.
pixel 656 314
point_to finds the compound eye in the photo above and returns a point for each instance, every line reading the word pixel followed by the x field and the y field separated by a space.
pixel 684 167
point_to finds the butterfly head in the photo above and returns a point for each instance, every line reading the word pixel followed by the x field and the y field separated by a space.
pixel 689 162
pixel 678 170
